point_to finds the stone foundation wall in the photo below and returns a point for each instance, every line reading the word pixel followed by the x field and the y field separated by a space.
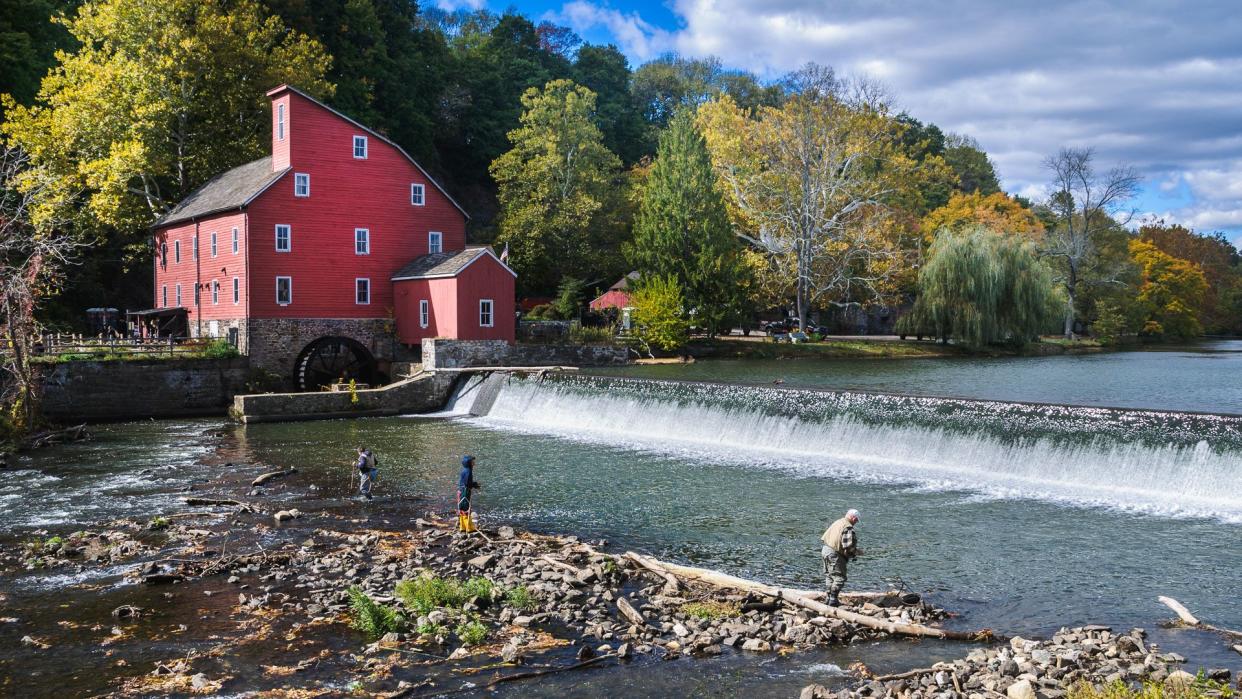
pixel 84 391
pixel 456 354
pixel 220 330
pixel 423 393
pixel 274 344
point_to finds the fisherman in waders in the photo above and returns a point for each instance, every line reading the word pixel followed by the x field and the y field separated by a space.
pixel 465 484
pixel 840 546
pixel 367 471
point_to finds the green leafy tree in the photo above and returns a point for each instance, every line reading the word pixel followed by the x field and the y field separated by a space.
pixel 974 169
pixel 682 228
pixel 558 188
pixel 659 315
pixel 569 297
pixel 980 287
pixel 1110 323
pixel 160 96
pixel 28 43
pixel 604 71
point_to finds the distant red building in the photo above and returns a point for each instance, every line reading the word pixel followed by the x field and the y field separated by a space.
pixel 298 257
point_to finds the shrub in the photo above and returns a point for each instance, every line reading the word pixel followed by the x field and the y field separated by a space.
pixel 219 349
pixel 430 629
pixel 478 587
pixel 1109 323
pixel 659 314
pixel 544 311
pixel 569 297
pixel 521 598
pixel 587 335
pixel 370 617
pixel 1202 687
pixel 472 632
pixel 711 609
pixel 158 523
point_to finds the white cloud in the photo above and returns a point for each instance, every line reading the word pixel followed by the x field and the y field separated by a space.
pixel 1145 82
pixel 454 5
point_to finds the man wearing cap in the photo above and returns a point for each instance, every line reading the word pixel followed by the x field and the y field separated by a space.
pixel 465 484
pixel 840 546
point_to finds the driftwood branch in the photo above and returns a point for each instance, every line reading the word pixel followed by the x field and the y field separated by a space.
pixel 801 599
pixel 671 584
pixel 629 612
pixel 272 475
pixel 1191 620
pixel 205 502
pixel 524 676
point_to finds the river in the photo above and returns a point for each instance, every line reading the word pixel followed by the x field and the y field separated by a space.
pixel 1022 517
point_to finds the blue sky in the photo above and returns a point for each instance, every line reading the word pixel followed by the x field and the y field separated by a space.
pixel 1156 84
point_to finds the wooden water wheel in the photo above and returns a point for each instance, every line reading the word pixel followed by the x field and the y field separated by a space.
pixel 330 360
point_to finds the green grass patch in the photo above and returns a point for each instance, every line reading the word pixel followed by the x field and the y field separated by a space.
pixel 370 617
pixel 520 597
pixel 158 523
pixel 1200 688
pixel 428 592
pixel 471 632
pixel 838 349
pixel 711 609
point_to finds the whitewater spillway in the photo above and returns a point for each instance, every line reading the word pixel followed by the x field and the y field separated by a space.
pixel 1164 463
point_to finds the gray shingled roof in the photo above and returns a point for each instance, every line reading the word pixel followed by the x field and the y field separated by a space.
pixel 439 264
pixel 231 189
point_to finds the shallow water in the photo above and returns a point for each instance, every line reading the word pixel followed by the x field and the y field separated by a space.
pixel 1022 518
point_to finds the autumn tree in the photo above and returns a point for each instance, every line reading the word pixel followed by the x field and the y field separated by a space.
pixel 981 287
pixel 994 211
pixel 1221 308
pixel 682 228
pixel 1083 203
pixel 160 96
pixel 559 189
pixel 1170 292
pixel 659 315
pixel 810 182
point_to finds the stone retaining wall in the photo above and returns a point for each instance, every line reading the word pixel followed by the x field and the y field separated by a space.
pixel 86 391
pixel 423 393
pixel 457 354
pixel 275 343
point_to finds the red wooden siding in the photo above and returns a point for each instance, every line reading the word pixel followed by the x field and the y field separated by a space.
pixel 345 193
pixel 613 298
pixel 204 270
pixel 455 304
pixel 442 315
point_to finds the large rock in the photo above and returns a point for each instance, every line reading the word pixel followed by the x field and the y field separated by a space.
pixel 1179 680
pixel 1021 689
pixel 815 691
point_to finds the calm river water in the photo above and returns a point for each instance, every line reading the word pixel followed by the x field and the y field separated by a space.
pixel 1024 518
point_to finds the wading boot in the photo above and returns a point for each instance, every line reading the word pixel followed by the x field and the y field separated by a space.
pixel 834 599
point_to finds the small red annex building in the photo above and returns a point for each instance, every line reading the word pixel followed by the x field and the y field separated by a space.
pixel 318 260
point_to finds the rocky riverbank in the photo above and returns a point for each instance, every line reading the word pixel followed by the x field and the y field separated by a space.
pixel 1080 661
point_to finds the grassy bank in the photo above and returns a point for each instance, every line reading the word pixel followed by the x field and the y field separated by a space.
pixel 880 348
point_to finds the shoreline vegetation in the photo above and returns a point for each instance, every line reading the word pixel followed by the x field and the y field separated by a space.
pixel 303 602
pixel 877 348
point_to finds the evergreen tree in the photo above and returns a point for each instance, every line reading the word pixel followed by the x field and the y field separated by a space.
pixel 682 227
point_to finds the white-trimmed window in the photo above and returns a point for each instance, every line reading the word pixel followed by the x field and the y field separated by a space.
pixel 215 292
pixel 176 251
pixel 178 294
pixel 362 291
pixel 301 184
pixel 164 296
pixel 280 122
pixel 235 240
pixel 417 194
pixel 486 317
pixel 284 291
pixel 284 237
pixel 360 147
pixel 197 288
pixel 194 247
pixel 362 241
pixel 435 242
pixel 424 313
pixel 236 291
pixel 164 254
pixel 213 243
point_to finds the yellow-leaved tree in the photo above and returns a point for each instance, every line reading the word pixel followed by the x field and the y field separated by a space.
pixel 159 96
pixel 1170 293
pixel 996 212
pixel 812 184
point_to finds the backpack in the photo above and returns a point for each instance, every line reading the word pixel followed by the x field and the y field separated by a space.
pixel 369 462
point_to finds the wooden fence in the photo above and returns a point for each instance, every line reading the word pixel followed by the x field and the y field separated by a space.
pixel 82 347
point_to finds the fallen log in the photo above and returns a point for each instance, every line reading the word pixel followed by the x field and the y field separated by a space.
pixel 671 583
pixel 1191 620
pixel 801 599
pixel 629 612
pixel 207 502
pixel 271 476
pixel 578 572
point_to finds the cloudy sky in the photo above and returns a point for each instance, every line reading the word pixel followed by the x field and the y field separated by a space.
pixel 1157 85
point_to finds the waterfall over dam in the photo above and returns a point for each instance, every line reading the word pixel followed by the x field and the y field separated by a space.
pixel 1162 463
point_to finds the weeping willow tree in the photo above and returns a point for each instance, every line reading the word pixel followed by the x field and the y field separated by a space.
pixel 980 287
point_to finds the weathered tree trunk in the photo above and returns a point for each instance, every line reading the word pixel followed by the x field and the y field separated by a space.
pixel 801 599
pixel 272 475
pixel 1191 620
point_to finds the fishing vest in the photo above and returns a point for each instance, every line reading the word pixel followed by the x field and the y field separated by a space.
pixel 832 537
